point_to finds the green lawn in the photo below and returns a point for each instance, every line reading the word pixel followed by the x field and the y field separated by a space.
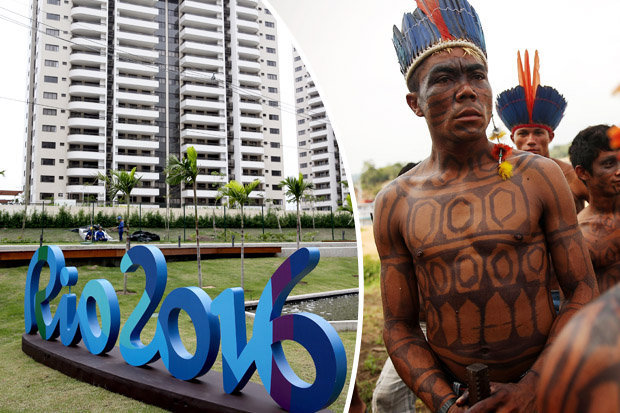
pixel 65 236
pixel 28 385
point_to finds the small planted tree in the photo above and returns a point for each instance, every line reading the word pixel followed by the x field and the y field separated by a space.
pixel 347 207
pixel 121 182
pixel 238 194
pixel 295 190
pixel 186 171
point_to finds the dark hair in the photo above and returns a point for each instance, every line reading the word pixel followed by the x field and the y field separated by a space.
pixel 587 145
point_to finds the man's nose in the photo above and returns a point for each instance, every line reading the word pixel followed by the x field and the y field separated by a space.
pixel 465 91
pixel 529 139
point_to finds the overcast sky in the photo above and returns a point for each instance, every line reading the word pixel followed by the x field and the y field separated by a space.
pixel 347 47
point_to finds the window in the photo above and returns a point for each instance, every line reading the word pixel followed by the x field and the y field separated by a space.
pixel 301 121
pixel 273 103
pixel 54 2
pixel 51 112
pixel 47 178
pixel 48 145
pixel 274 131
pixel 272 89
pixel 274 117
pixel 267 11
pixel 270 50
pixel 300 110
pixel 51 63
pixel 269 24
pixel 303 154
pixel 299 100
pixel 302 143
pixel 298 68
pixel 270 37
pixel 49 128
pixel 51 47
pixel 50 79
pixel 48 161
pixel 53 16
pixel 301 132
pixel 299 89
pixel 299 79
pixel 276 188
pixel 303 165
pixel 52 32
pixel 271 76
pixel 271 63
pixel 274 144
pixel 275 159
pixel 273 173
pixel 46 196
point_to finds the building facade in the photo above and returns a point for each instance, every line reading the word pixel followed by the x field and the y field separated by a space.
pixel 118 84
pixel 317 149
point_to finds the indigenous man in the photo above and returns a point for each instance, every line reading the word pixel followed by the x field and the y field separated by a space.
pixel 597 165
pixel 476 242
pixel 532 119
pixel 582 370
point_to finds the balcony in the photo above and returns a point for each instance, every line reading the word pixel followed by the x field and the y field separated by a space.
pixel 248 65
pixel 315 101
pixel 251 107
pixel 88 75
pixel 82 58
pixel 148 176
pixel 135 53
pixel 137 39
pixel 248 52
pixel 200 22
pixel 137 128
pixel 136 160
pixel 213 179
pixel 133 82
pixel 211 163
pixel 137 25
pixel 198 8
pixel 208 149
pixel 86 189
pixel 86 123
pixel 201 193
pixel 248 39
pixel 258 136
pixel 202 133
pixel 318 133
pixel 87 139
pixel 137 68
pixel 203 76
pixel 251 122
pixel 202 63
pixel 145 191
pixel 88 43
pixel 253 80
pixel 83 172
pixel 201 35
pixel 133 10
pixel 197 119
pixel 137 98
pixel 252 150
pixel 88 13
pixel 246 179
pixel 199 104
pixel 321 156
pixel 199 90
pixel 137 113
pixel 88 29
pixel 318 122
pixel 79 106
pixel 86 155
pixel 253 164
pixel 202 49
pixel 248 13
pixel 136 144
pixel 247 26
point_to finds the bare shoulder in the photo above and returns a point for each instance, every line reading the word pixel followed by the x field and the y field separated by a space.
pixel 536 167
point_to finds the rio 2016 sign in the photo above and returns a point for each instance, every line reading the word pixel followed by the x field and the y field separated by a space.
pixel 222 317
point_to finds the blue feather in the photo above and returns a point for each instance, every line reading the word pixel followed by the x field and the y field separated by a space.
pixel 512 108
pixel 549 107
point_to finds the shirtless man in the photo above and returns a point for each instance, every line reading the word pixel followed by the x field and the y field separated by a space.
pixel 478 246
pixel 597 165
pixel 533 132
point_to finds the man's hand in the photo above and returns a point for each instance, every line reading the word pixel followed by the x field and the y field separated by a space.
pixel 507 398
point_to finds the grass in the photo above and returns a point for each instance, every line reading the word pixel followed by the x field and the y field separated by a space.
pixel 28 385
pixel 64 236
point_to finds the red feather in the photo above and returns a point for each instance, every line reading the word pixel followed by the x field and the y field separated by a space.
pixel 504 148
pixel 431 9
pixel 529 80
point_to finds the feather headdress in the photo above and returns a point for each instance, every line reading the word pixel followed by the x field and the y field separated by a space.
pixel 433 26
pixel 529 104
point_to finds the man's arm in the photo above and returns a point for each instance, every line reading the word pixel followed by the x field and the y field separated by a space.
pixel 573 268
pixel 413 358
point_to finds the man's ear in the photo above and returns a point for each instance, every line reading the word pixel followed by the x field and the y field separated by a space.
pixel 551 135
pixel 582 173
pixel 412 101
pixel 512 137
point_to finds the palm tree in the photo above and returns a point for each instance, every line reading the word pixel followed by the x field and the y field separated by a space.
pixel 311 199
pixel 186 170
pixel 295 189
pixel 347 206
pixel 238 193
pixel 123 182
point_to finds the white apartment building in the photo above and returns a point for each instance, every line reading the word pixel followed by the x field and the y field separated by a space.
pixel 317 149
pixel 117 84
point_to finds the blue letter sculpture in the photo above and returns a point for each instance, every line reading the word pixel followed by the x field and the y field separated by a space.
pixel 240 358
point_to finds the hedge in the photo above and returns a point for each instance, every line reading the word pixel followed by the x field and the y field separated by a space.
pixel 64 219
